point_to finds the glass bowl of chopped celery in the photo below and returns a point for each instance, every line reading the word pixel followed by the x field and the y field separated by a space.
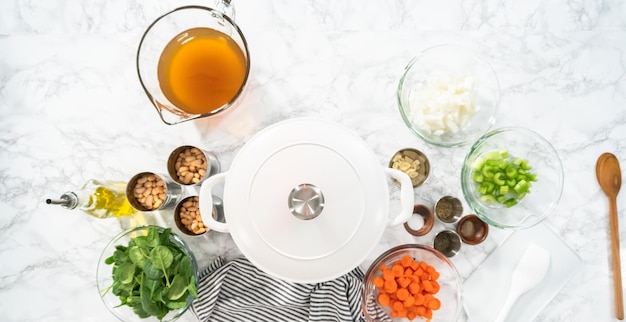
pixel 147 273
pixel 411 282
pixel 448 96
pixel 512 178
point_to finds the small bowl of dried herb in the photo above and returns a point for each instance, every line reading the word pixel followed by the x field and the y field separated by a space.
pixel 448 209
pixel 147 273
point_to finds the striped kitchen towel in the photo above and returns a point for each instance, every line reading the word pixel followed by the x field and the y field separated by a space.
pixel 238 291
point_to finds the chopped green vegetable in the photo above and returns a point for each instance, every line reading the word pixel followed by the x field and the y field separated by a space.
pixel 502 178
pixel 152 274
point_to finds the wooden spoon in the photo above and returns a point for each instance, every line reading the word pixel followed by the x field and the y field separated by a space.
pixel 610 180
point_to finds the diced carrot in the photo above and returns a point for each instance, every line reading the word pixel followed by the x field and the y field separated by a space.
pixel 411 315
pixel 434 304
pixel 421 310
pixel 428 313
pixel 415 287
pixel 383 267
pixel 432 272
pixel 404 282
pixel 406 261
pixel 402 294
pixel 419 272
pixel 428 287
pixel 436 286
pixel 408 271
pixel 402 313
pixel 423 265
pixel 388 275
pixel 419 299
pixel 390 286
pixel 383 299
pixel 379 282
pixel 393 313
pixel 398 270
pixel 409 301
pixel 398 305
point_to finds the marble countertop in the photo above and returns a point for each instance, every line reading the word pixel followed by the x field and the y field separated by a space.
pixel 72 109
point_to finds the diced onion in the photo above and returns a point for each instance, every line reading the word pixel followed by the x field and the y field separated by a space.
pixel 442 105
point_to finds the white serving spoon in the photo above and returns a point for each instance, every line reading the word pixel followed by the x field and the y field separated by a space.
pixel 530 270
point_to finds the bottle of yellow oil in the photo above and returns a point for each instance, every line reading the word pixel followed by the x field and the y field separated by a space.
pixel 101 199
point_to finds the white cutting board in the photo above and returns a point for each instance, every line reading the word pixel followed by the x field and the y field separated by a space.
pixel 484 291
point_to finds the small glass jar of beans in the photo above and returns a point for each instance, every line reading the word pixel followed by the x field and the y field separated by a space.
pixel 148 191
pixel 188 218
pixel 189 165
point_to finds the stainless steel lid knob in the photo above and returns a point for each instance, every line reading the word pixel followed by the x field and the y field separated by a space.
pixel 306 201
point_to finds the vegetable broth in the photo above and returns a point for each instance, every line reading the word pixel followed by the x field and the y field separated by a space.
pixel 201 69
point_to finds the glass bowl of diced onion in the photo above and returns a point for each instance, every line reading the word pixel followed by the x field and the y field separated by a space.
pixel 512 178
pixel 448 96
pixel 408 269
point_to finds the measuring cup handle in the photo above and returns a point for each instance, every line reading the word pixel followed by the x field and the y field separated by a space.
pixel 406 196
pixel 206 202
pixel 227 8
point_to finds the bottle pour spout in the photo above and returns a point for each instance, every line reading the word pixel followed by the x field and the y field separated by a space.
pixel 67 200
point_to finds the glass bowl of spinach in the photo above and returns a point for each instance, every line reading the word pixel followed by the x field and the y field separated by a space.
pixel 147 273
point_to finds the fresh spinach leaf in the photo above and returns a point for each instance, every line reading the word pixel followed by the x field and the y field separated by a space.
pixel 138 255
pixel 126 273
pixel 192 287
pixel 120 255
pixel 146 301
pixel 109 260
pixel 140 241
pixel 164 237
pixel 152 272
pixel 176 305
pixel 178 288
pixel 161 257
pixel 153 237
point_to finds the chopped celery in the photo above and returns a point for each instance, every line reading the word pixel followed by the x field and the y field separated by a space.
pixel 502 178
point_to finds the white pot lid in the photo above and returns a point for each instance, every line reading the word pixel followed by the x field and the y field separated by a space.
pixel 305 200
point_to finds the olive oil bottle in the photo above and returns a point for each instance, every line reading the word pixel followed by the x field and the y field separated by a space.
pixel 101 199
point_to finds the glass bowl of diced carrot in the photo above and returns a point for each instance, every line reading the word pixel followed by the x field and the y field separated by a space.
pixel 411 282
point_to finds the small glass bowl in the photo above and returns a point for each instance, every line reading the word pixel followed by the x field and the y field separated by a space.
pixel 544 194
pixel 104 277
pixel 451 67
pixel 449 280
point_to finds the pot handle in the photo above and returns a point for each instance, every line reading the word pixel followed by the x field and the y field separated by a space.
pixel 406 196
pixel 206 202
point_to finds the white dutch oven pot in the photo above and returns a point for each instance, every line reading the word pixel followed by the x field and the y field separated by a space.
pixel 306 200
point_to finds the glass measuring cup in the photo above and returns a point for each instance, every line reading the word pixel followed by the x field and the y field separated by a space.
pixel 193 62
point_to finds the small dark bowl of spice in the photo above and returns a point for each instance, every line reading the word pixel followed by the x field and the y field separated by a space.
pixel 472 230
pixel 447 242
pixel 448 209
